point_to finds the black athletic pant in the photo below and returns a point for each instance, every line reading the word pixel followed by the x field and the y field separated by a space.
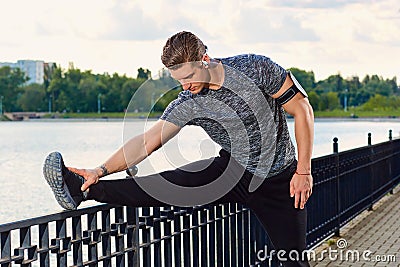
pixel 271 202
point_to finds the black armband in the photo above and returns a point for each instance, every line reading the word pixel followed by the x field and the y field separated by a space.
pixel 292 91
pixel 286 96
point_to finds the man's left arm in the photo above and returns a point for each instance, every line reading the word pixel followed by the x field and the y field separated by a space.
pixel 302 181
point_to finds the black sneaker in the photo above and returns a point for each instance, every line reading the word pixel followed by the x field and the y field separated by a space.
pixel 66 185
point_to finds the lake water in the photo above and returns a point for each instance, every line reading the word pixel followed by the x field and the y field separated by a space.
pixel 86 144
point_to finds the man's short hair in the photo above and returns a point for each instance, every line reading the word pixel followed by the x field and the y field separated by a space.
pixel 182 47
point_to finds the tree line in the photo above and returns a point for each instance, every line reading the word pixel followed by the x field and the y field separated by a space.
pixel 371 93
pixel 73 90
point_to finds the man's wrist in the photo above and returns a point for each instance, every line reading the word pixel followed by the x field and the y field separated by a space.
pixel 102 170
pixel 304 173
pixel 303 168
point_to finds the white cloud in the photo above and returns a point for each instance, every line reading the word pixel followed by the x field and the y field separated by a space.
pixel 255 25
pixel 352 37
pixel 317 4
pixel 128 22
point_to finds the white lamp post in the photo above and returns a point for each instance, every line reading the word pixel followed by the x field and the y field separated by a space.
pixel 1 105
pixel 99 103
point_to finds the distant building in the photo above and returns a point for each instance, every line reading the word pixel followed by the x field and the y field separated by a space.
pixel 33 69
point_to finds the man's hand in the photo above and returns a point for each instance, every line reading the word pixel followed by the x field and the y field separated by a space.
pixel 301 189
pixel 91 176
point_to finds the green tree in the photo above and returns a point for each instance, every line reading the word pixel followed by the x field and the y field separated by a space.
pixel 333 83
pixel 143 74
pixel 314 99
pixel 91 90
pixel 329 101
pixel 112 98
pixel 11 82
pixel 377 102
pixel 394 102
pixel 48 74
pixel 57 85
pixel 33 98
pixel 129 88
pixel 305 78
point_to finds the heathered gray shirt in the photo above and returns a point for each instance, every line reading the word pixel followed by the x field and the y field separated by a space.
pixel 241 116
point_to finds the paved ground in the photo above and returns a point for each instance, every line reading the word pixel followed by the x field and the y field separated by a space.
pixel 377 231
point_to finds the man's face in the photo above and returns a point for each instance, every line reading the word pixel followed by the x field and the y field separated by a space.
pixel 192 76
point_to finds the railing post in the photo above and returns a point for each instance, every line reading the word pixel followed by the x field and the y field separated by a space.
pixel 44 244
pixel 335 145
pixel 177 238
pixel 195 238
pixel 338 202
pixel 133 235
pixel 390 162
pixel 226 232
pixel 369 139
pixel 203 237
pixel 5 245
pixel 77 235
pixel 212 238
pixel 106 236
pixel 371 173
pixel 146 238
pixel 157 236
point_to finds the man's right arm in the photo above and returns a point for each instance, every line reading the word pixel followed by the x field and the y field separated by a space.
pixel 132 152
pixel 140 147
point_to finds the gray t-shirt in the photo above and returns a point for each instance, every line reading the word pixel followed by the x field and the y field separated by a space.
pixel 241 116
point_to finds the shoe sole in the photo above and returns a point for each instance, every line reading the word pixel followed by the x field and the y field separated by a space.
pixel 52 170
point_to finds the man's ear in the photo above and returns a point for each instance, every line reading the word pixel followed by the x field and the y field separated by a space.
pixel 205 60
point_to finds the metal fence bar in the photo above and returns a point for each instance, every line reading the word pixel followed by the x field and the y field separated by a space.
pixel 203 238
pixel 186 240
pixel 219 243
pixel 177 239
pixel 233 233
pixel 106 238
pixel 211 235
pixel 246 238
pixel 43 248
pixel 76 240
pixel 240 236
pixel 168 214
pixel 157 236
pixel 195 238
pixel 226 233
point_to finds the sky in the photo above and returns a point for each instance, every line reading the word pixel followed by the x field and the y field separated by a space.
pixel 350 37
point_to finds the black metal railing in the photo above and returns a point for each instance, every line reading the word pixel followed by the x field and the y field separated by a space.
pixel 349 182
pixel 345 184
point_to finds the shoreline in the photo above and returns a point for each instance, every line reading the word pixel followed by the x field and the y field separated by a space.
pixel 118 119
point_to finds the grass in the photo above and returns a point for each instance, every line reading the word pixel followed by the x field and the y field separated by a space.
pixel 4 118
pixel 357 113
pixel 105 115
pixel 339 113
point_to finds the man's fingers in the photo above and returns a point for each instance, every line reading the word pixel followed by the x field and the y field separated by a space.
pixel 291 189
pixel 296 199
pixel 301 190
pixel 85 186
pixel 77 171
pixel 304 197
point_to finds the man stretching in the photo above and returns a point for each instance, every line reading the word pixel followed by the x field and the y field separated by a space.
pixel 240 102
